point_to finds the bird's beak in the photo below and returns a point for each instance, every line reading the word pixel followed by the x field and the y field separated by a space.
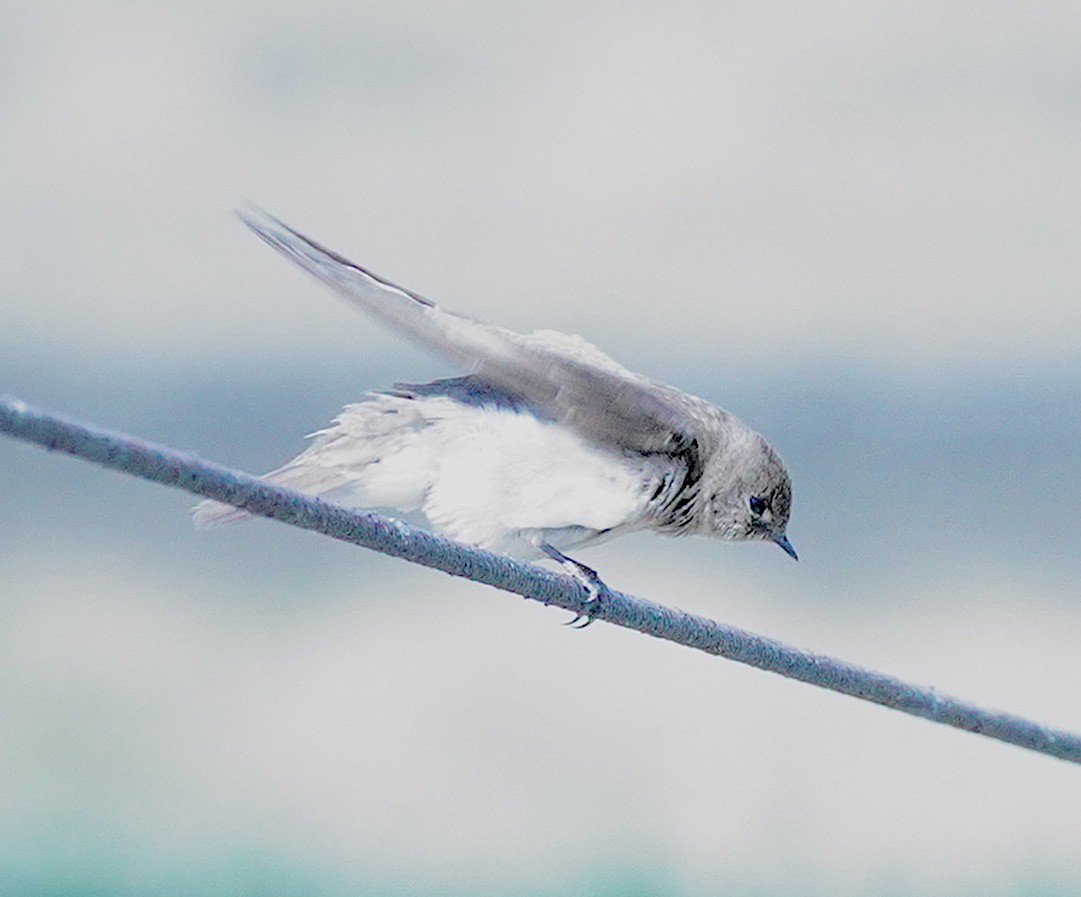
pixel 782 540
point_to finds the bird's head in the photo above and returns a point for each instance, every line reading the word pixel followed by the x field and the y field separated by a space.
pixel 747 492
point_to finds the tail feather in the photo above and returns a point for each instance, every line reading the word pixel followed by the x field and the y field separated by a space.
pixel 371 456
pixel 209 513
pixel 311 479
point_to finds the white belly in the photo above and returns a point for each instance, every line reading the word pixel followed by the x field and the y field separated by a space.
pixel 493 477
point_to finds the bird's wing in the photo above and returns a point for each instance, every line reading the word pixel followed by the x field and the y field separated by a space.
pixel 563 377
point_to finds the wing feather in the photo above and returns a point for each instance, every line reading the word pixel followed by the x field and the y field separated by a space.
pixel 564 377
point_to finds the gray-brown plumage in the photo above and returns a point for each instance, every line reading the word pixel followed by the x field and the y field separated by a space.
pixel 546 444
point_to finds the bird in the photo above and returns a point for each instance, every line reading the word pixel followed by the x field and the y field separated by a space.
pixel 543 445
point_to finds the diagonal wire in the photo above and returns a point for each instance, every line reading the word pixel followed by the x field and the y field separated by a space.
pixel 184 471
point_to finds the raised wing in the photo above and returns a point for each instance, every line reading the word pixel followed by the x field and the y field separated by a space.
pixel 564 377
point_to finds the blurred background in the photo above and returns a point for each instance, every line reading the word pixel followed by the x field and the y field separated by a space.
pixel 855 225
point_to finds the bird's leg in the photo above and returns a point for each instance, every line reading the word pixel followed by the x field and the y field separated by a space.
pixel 586 577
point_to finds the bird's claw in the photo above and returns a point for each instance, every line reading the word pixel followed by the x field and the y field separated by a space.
pixel 587 578
pixel 594 588
pixel 586 620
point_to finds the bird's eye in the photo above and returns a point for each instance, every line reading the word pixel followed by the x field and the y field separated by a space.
pixel 758 505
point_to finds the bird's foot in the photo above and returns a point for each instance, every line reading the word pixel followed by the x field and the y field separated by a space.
pixel 588 579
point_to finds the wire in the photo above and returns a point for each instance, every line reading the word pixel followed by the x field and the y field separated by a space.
pixel 184 471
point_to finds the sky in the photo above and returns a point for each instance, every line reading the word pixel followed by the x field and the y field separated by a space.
pixel 853 224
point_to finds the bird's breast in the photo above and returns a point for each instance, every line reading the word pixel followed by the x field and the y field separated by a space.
pixel 499 471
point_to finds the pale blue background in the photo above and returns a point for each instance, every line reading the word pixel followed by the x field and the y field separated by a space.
pixel 856 225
